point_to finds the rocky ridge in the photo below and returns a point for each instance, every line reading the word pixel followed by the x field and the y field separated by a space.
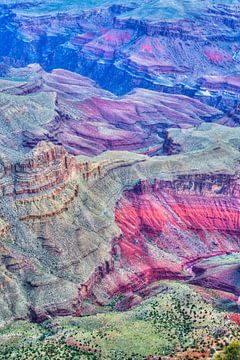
pixel 123 46
pixel 91 207
pixel 59 232
pixel 71 110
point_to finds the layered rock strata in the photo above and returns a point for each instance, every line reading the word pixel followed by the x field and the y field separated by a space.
pixel 122 46
pixel 69 109
pixel 97 228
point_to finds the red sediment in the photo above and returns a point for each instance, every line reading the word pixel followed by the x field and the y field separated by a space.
pixel 169 224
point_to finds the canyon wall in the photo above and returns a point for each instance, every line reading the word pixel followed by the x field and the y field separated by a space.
pixel 71 110
pixel 123 46
pixel 98 228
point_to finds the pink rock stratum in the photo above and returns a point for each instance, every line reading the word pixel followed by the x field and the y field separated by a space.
pixel 119 156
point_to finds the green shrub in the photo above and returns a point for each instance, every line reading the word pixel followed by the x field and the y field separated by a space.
pixel 230 352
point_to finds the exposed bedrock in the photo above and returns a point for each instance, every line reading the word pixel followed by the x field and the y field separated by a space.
pixel 40 170
pixel 125 46
pixel 168 224
pixel 97 228
pixel 203 136
pixel 220 272
pixel 71 110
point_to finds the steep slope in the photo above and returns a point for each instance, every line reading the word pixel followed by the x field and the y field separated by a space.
pixel 125 45
pixel 178 323
pixel 59 233
pixel 119 178
pixel 71 110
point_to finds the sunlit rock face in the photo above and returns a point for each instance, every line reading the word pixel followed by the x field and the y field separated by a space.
pixel 163 225
pixel 94 228
pixel 166 213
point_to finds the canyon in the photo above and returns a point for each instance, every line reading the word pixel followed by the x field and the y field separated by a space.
pixel 119 166
pixel 124 45
pixel 99 227
pixel 70 110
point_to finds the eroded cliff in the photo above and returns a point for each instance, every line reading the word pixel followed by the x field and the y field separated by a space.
pixel 95 228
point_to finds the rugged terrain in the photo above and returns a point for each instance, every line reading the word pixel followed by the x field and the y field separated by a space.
pixel 119 178
pixel 69 109
pixel 122 45
pixel 96 228
pixel 178 323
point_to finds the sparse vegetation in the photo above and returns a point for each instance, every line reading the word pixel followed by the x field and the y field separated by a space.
pixel 178 322
pixel 230 352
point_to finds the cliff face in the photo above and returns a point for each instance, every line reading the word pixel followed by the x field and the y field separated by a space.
pixel 96 228
pixel 70 110
pixel 123 46
pixel 168 225
pixel 167 213
pixel 42 169
pixel 91 208
pixel 151 67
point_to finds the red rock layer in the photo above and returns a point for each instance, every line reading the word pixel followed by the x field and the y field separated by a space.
pixel 166 225
pixel 90 120
pixel 165 212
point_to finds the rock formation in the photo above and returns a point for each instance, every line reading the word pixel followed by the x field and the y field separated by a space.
pixel 95 228
pixel 70 110
pixel 119 153
pixel 127 45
